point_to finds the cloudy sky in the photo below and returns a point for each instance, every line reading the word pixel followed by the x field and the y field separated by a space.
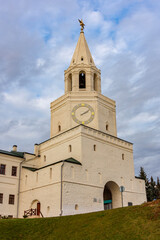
pixel 37 41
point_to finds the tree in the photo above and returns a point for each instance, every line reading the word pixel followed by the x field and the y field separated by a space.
pixel 152 188
pixel 158 189
pixel 142 174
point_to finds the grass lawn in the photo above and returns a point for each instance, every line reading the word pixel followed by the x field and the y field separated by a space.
pixel 129 223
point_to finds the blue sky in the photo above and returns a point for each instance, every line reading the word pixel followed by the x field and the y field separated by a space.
pixel 37 42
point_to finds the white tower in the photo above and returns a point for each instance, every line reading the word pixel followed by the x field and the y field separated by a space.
pixel 83 102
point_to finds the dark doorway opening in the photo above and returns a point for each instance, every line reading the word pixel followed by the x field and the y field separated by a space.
pixel 107 197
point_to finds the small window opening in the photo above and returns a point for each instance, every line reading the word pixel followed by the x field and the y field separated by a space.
pixel 44 158
pixel 36 177
pixel 82 81
pixel 59 128
pixel 11 199
pixel 73 60
pixel 90 60
pixel 76 206
pixel 50 173
pixel 94 147
pixel 14 171
pixel 81 58
pixel 2 169
pixel 1 197
pixel 70 148
pixel 107 127
pixel 122 156
pixel 130 204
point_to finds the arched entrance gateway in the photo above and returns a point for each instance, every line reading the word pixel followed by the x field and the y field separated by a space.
pixel 111 196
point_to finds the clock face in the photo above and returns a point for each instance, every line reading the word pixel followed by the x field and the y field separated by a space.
pixel 83 113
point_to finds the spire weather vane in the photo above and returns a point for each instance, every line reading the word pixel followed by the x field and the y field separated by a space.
pixel 81 24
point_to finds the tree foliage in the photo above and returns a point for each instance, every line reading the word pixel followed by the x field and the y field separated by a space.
pixel 152 187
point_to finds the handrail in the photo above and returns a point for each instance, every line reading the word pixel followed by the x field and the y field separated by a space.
pixel 41 214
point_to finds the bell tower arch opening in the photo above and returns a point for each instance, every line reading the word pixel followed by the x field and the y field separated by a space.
pixel 82 79
pixel 111 196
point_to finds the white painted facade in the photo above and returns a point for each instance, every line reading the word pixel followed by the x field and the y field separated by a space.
pixel 68 172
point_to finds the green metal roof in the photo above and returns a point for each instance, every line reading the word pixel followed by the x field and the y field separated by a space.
pixel 13 153
pixel 69 160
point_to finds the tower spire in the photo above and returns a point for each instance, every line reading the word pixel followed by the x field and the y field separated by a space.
pixel 82 73
pixel 82 54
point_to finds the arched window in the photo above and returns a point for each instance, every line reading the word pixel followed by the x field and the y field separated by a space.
pixel 82 80
pixel 107 126
pixel 122 156
pixel 70 82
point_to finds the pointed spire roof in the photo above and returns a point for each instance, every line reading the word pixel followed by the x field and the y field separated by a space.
pixel 82 53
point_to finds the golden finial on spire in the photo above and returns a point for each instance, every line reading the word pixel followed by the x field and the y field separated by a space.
pixel 81 24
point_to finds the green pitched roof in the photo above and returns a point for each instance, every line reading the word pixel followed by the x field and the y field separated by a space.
pixel 69 160
pixel 13 153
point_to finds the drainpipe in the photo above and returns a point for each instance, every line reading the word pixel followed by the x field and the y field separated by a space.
pixel 61 210
pixel 20 165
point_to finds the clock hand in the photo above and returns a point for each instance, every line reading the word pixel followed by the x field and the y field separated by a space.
pixel 85 112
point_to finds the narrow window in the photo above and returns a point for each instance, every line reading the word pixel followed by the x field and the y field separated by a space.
pixel 94 147
pixel 122 156
pixel 59 128
pixel 50 173
pixel 107 127
pixel 2 169
pixel 70 148
pixel 11 199
pixel 1 197
pixel 14 171
pixel 76 206
pixel 37 177
pixel 82 81
pixel 44 158
pixel 81 58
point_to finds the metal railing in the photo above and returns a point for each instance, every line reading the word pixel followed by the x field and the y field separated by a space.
pixel 30 212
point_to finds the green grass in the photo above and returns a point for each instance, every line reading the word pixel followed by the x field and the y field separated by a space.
pixel 137 223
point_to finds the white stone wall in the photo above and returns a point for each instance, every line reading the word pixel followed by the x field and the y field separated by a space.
pixel 9 185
